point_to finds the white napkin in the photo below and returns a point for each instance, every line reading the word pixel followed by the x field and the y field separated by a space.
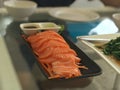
pixel 107 26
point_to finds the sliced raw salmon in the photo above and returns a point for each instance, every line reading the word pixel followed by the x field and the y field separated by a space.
pixel 55 55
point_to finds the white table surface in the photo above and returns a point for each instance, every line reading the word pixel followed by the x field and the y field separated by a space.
pixel 8 77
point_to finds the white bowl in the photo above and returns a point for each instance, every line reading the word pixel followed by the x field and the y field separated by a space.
pixel 116 19
pixel 20 10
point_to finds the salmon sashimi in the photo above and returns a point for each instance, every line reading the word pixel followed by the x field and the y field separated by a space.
pixel 70 71
pixel 55 55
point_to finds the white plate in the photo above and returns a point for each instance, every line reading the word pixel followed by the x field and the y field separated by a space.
pixel 114 63
pixel 74 14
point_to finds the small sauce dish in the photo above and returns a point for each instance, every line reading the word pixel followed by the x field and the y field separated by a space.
pixel 32 28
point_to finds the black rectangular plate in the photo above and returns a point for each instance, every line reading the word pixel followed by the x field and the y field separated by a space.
pixel 93 68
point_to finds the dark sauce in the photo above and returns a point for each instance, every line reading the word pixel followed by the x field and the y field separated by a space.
pixel 29 27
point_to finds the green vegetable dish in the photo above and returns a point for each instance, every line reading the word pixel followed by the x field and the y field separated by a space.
pixel 112 48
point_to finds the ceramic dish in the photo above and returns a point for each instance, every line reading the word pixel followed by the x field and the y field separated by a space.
pixel 31 28
pixel 74 14
pixel 93 68
pixel 113 62
pixel 20 10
